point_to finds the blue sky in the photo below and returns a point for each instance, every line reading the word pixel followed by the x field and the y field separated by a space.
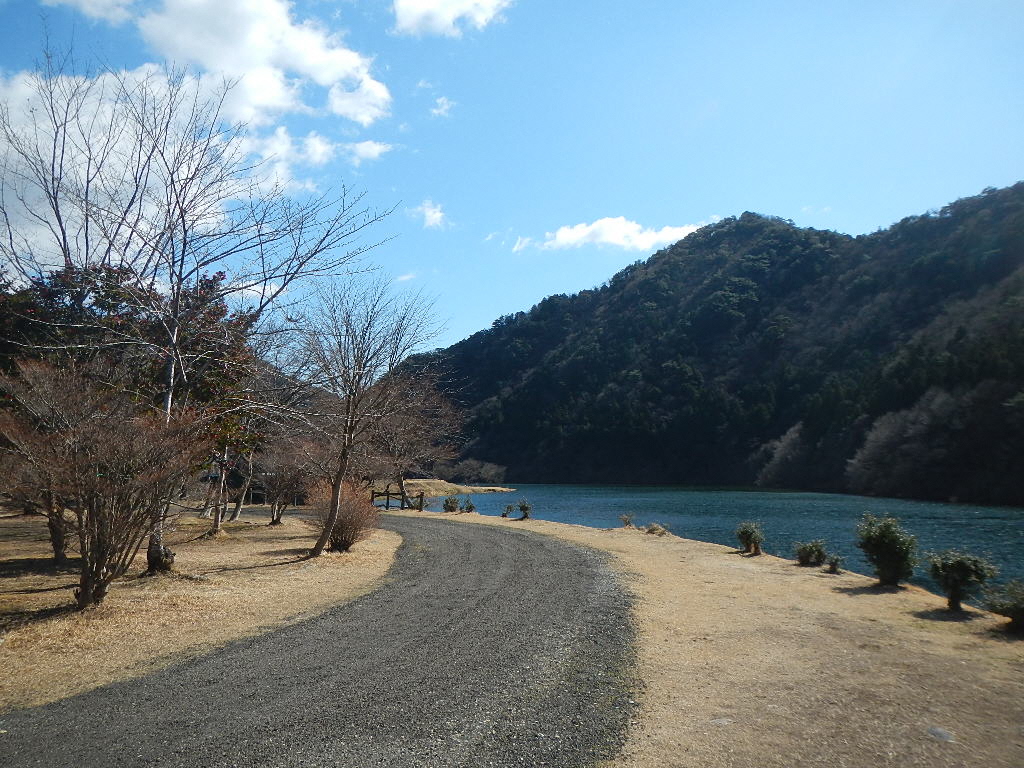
pixel 535 147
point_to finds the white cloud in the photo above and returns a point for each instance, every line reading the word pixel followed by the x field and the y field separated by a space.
pixel 444 106
pixel 279 153
pixel 114 11
pixel 406 277
pixel 432 213
pixel 443 17
pixel 617 231
pixel 317 149
pixel 272 54
pixel 522 243
pixel 362 151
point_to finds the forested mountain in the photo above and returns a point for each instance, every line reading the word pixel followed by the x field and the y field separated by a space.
pixel 754 351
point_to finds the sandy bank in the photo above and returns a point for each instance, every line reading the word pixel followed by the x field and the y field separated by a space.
pixel 434 488
pixel 758 662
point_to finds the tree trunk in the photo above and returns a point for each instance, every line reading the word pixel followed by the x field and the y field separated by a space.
pixel 953 601
pixel 401 489
pixel 240 501
pixel 276 510
pixel 91 590
pixel 220 503
pixel 218 507
pixel 236 511
pixel 332 514
pixel 159 558
pixel 58 528
pixel 208 501
pixel 58 536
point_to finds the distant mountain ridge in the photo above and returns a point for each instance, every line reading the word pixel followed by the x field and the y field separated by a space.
pixel 754 351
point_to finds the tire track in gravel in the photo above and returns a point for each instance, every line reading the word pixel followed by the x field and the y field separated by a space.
pixel 484 647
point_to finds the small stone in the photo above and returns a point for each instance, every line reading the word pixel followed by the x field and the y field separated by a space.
pixel 721 721
pixel 941 734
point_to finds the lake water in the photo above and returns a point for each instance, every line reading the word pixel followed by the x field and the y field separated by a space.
pixel 712 515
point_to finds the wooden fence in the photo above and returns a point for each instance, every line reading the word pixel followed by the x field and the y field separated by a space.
pixel 403 501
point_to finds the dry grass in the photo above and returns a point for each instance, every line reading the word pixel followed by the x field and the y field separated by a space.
pixel 754 661
pixel 434 488
pixel 247 581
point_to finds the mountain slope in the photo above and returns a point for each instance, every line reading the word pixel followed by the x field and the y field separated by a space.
pixel 753 350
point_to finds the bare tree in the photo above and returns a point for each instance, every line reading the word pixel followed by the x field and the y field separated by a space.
pixel 105 458
pixel 421 430
pixel 135 180
pixel 284 473
pixel 356 338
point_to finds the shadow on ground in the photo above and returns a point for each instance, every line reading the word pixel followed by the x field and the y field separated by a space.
pixel 944 614
pixel 300 554
pixel 20 618
pixel 24 566
pixel 871 589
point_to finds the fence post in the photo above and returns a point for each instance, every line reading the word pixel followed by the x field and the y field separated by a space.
pixel 421 501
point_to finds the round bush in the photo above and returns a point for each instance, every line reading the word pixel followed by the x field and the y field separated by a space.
pixel 750 536
pixel 809 553
pixel 959 574
pixel 451 504
pixel 889 548
pixel 1008 600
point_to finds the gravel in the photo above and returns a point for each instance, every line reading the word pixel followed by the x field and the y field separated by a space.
pixel 484 647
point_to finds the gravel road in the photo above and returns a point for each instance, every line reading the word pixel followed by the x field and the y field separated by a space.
pixel 485 647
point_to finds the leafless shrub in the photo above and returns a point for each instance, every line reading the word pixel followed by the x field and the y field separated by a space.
pixel 356 518
pixel 101 457
pixel 656 529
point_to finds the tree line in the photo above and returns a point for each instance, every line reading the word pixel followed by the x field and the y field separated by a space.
pixel 757 352
pixel 177 327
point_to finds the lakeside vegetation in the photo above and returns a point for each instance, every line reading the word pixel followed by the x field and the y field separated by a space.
pixel 754 351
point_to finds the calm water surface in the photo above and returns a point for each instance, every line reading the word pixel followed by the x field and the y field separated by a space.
pixel 712 515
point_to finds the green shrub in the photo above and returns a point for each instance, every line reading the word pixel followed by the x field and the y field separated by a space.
pixel 750 536
pixel 834 563
pixel 468 505
pixel 959 574
pixel 1008 600
pixel 451 504
pixel 889 548
pixel 626 520
pixel 525 508
pixel 810 553
pixel 509 509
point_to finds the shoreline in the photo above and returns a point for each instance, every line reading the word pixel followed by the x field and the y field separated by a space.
pixel 433 488
pixel 756 661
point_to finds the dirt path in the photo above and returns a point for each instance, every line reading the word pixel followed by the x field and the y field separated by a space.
pixel 756 662
pixel 244 583
pixel 483 647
